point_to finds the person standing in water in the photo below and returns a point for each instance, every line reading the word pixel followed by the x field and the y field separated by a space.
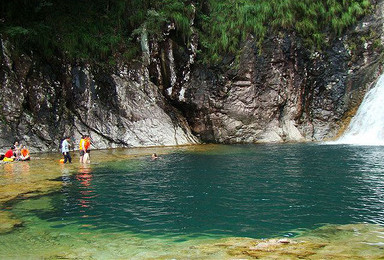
pixel 65 150
pixel 82 149
pixel 87 146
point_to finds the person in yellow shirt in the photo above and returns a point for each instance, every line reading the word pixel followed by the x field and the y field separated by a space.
pixel 82 149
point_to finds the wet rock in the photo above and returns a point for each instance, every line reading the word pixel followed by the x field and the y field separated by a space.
pixel 360 241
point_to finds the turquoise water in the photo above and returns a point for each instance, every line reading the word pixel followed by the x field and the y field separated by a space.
pixel 257 191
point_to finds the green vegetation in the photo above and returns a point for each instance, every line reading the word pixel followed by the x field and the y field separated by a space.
pixel 100 30
pixel 230 21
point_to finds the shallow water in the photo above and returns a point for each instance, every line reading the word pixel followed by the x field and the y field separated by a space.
pixel 124 205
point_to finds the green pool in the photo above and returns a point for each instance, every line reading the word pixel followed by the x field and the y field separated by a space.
pixel 192 199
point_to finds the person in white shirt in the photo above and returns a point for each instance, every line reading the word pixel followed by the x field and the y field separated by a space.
pixel 65 150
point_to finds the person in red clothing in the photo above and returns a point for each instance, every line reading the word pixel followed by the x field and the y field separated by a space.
pixel 87 145
pixel 10 153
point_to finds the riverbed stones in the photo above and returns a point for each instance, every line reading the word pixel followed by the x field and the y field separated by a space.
pixel 28 189
pixel 360 241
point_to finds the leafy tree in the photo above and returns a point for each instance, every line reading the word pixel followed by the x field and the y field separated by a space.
pixel 99 30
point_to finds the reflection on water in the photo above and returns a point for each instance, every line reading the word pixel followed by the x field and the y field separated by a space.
pixel 84 178
pixel 253 191
pixel 86 194
pixel 9 169
pixel 193 195
pixel 16 169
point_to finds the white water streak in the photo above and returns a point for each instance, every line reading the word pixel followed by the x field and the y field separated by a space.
pixel 367 126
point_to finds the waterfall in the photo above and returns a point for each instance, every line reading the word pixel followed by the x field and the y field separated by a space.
pixel 367 126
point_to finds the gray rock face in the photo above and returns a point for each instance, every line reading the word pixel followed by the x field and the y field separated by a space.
pixel 285 92
pixel 117 109
pixel 281 92
pixel 129 111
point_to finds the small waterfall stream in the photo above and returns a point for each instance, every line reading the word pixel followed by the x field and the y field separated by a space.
pixel 367 126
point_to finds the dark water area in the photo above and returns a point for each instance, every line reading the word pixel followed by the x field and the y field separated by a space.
pixel 253 191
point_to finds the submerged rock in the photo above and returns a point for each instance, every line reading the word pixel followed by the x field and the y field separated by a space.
pixel 28 189
pixel 357 241
pixel 7 222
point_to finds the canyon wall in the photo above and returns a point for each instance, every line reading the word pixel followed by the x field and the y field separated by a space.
pixel 279 91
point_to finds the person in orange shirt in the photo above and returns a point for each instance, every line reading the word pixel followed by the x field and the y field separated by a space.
pixel 24 154
pixel 87 146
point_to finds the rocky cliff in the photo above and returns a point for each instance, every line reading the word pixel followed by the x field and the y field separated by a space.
pixel 277 92
pixel 283 91
pixel 41 103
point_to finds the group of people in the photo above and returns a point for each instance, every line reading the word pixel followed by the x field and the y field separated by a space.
pixel 84 149
pixel 17 152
